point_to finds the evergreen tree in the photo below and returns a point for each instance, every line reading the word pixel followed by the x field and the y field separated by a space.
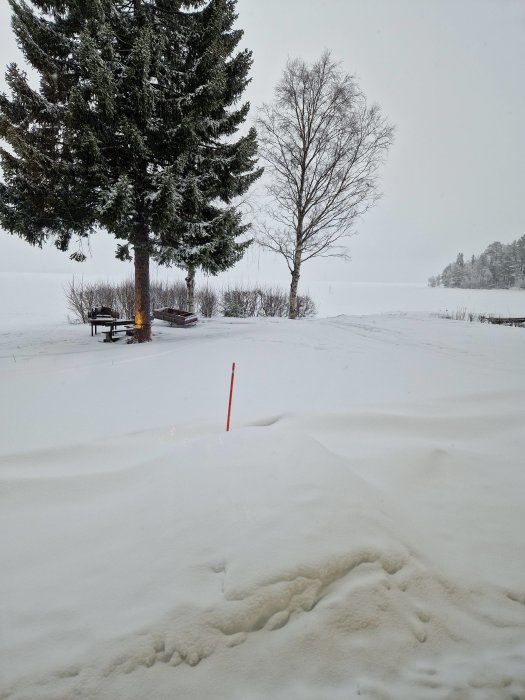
pixel 520 253
pixel 38 163
pixel 499 266
pixel 215 173
pixel 121 132
pixel 458 273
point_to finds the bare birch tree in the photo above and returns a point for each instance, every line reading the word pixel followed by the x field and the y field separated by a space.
pixel 322 145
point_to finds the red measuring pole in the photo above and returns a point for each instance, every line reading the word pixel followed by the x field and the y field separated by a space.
pixel 230 400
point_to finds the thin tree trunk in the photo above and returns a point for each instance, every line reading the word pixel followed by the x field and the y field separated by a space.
pixel 296 272
pixel 292 310
pixel 190 288
pixel 142 292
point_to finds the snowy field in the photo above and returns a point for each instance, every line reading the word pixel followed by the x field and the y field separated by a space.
pixel 359 533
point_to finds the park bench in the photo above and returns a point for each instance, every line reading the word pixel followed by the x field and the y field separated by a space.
pixel 113 333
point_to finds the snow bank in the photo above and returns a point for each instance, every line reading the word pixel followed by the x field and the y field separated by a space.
pixel 359 532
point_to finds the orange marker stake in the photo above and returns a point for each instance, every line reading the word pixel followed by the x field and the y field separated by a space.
pixel 230 401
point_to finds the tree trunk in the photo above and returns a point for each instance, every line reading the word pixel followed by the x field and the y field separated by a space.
pixel 292 309
pixel 142 295
pixel 190 288
pixel 296 273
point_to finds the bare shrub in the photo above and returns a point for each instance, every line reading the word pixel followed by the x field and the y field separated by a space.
pixel 169 295
pixel 236 301
pixel 159 295
pixel 461 314
pixel 266 301
pixel 106 295
pixel 239 302
pixel 179 295
pixel 80 299
pixel 305 306
pixel 125 298
pixel 207 302
pixel 273 301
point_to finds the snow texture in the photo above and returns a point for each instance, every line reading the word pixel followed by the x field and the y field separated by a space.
pixel 358 533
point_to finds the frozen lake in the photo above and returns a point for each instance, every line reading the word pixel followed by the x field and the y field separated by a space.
pixel 352 299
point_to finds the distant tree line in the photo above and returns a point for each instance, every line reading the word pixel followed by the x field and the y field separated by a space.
pixel 500 266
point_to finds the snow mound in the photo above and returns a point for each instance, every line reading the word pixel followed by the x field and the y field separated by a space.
pixel 209 546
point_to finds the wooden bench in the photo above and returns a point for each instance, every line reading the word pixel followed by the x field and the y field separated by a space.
pixel 113 333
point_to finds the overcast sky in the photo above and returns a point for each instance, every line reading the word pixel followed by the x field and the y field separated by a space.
pixel 448 73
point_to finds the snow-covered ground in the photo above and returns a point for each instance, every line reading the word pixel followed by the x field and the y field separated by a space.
pixel 360 532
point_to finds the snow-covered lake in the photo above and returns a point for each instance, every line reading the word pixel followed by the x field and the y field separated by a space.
pixel 340 298
pixel 358 533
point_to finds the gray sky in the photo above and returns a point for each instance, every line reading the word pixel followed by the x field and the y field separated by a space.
pixel 448 73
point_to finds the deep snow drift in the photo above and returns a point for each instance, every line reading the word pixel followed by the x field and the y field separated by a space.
pixel 358 533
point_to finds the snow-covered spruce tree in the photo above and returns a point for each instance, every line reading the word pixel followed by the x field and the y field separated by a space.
pixel 109 137
pixel 38 162
pixel 220 168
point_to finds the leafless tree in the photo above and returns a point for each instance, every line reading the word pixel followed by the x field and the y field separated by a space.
pixel 322 145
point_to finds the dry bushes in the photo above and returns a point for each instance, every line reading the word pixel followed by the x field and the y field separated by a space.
pixel 237 300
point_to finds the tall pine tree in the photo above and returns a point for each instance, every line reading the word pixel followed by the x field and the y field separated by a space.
pixel 130 130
